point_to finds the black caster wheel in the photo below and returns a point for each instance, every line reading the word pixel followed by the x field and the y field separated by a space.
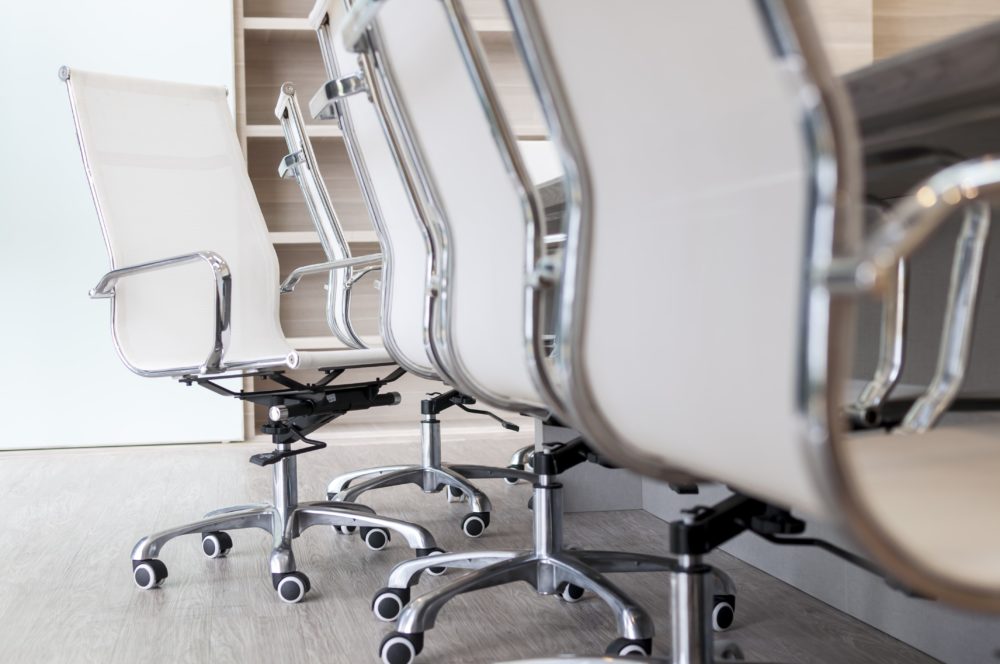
pixel 434 571
pixel 375 539
pixel 622 647
pixel 148 574
pixel 728 652
pixel 454 495
pixel 216 544
pixel 474 523
pixel 291 586
pixel 513 480
pixel 345 530
pixel 723 612
pixel 400 648
pixel 570 593
pixel 388 603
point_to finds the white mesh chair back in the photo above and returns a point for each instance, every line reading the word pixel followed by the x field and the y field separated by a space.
pixel 168 178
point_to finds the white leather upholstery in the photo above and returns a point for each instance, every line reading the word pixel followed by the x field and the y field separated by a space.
pixel 487 237
pixel 699 185
pixel 405 283
pixel 168 178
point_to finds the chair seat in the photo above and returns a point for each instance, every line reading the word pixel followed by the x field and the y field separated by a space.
pixel 927 490
pixel 339 359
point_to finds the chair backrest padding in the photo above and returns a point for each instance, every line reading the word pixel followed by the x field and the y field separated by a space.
pixel 168 178
pixel 485 259
pixel 698 214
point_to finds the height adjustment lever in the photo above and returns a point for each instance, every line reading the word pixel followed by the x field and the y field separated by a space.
pixel 510 426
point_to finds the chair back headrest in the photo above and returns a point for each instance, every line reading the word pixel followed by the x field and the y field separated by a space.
pixel 168 178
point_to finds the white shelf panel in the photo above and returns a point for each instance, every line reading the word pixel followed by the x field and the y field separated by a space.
pixel 310 237
pixel 326 130
pixel 269 23
pixel 492 25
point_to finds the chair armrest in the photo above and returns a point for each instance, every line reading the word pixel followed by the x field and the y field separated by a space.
pixel 911 222
pixel 323 104
pixel 292 280
pixel 105 288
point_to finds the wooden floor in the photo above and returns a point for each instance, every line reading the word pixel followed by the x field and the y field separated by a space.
pixel 70 518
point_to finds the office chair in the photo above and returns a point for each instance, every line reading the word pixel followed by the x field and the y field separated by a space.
pixel 405 274
pixel 194 296
pixel 477 318
pixel 750 226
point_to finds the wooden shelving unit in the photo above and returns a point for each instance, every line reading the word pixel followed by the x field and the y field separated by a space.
pixel 274 44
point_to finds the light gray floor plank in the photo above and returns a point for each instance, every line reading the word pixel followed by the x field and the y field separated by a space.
pixel 70 518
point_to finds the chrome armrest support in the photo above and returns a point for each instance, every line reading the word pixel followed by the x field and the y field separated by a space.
pixel 356 23
pixel 288 164
pixel 910 222
pixel 360 274
pixel 290 282
pixel 970 187
pixel 105 288
pixel 892 342
pixel 323 104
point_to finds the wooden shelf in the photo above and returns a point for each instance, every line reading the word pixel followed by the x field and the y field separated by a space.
pixel 310 237
pixel 482 25
pixel 326 130
pixel 274 23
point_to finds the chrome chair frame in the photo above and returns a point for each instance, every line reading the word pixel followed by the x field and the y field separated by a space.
pixel 431 474
pixel 956 334
pixel 548 567
pixel 300 164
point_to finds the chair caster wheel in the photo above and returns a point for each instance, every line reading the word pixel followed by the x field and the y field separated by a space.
pixel 400 648
pixel 345 530
pixel 513 480
pixel 375 539
pixel 723 612
pixel 388 603
pixel 474 523
pixel 622 647
pixel 291 586
pixel 434 571
pixel 728 652
pixel 570 593
pixel 148 574
pixel 216 544
pixel 454 495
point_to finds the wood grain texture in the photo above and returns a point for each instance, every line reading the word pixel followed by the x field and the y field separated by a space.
pixel 901 25
pixel 71 517
pixel 847 32
pixel 282 202
pixel 303 312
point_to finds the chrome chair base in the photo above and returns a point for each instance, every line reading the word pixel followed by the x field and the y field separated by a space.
pixel 284 519
pixel 550 568
pixel 431 475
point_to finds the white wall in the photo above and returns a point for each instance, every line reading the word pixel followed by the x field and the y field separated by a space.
pixel 63 385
